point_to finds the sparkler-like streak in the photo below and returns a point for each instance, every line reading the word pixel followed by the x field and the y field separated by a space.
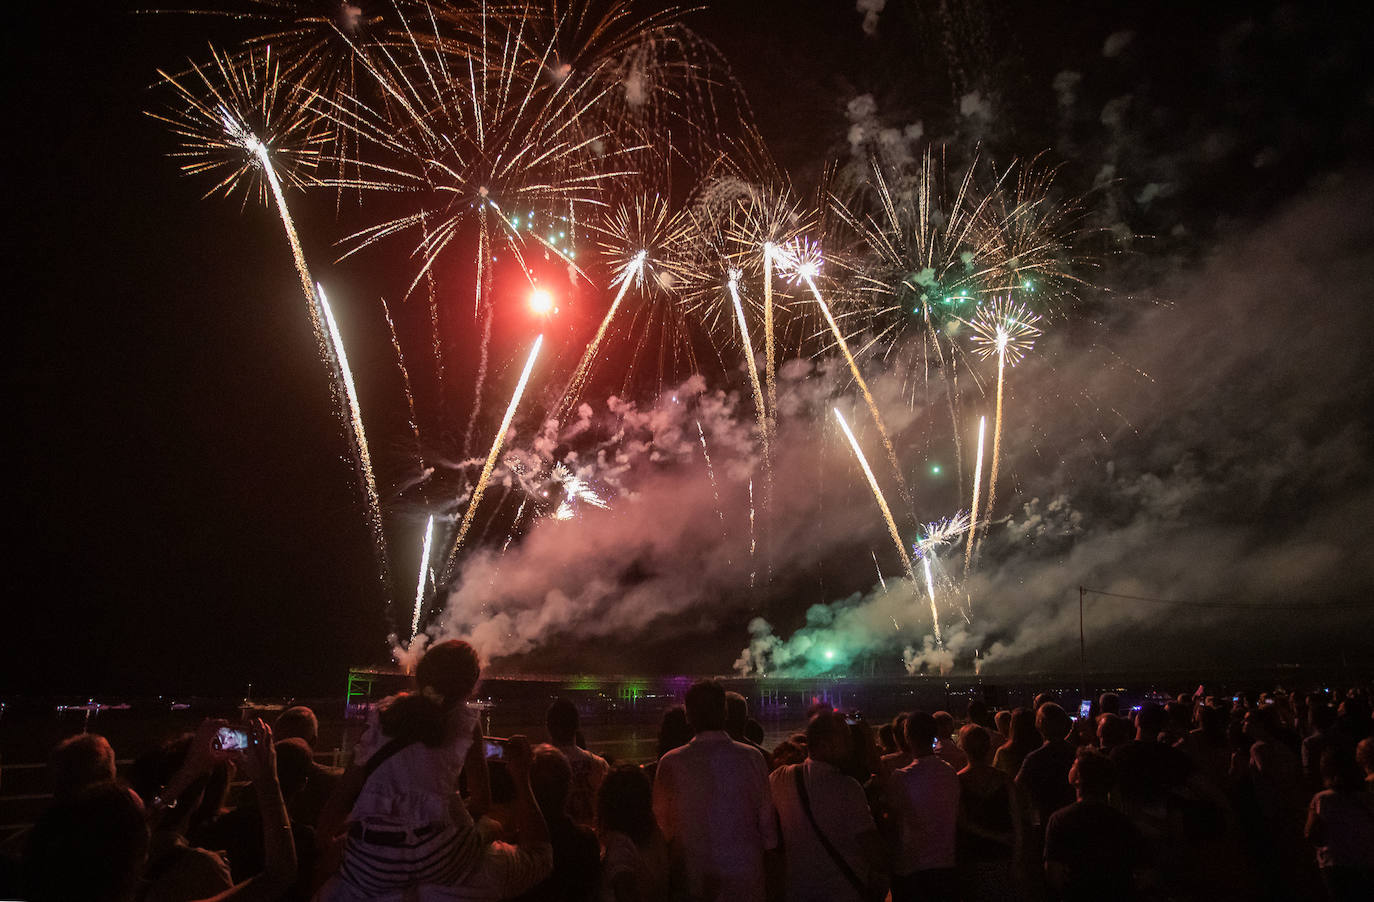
pixel 930 586
pixel 490 463
pixel 1008 330
pixel 753 572
pixel 891 523
pixel 973 512
pixel 753 366
pixel 770 363
pixel 405 381
pixel 424 574
pixel 806 270
pixel 631 273
pixel 882 582
pixel 711 472
pixel 297 253
pixel 362 456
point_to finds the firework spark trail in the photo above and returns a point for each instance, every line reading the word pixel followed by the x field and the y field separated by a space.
pixel 520 512
pixel 583 370
pixel 753 571
pixel 490 463
pixel 424 574
pixel 405 381
pixel 1008 330
pixel 997 429
pixel 973 512
pixel 362 456
pixel 711 472
pixel 770 364
pixel 297 253
pixel 887 515
pixel 753 368
pixel 882 582
pixel 863 386
pixel 434 334
pixel 484 354
pixel 930 588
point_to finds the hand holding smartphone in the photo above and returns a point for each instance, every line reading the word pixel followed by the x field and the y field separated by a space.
pixel 230 739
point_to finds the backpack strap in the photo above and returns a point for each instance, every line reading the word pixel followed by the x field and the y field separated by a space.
pixel 835 856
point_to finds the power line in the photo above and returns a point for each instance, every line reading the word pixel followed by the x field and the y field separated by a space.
pixel 1239 605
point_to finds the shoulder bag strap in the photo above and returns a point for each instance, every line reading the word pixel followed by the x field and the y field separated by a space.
pixel 835 856
pixel 382 754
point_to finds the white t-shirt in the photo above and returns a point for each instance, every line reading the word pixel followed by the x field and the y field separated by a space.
pixel 712 802
pixel 841 812
pixel 925 798
pixel 588 770
pixel 417 785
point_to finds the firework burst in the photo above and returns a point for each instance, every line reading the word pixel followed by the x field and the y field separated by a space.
pixel 636 240
pixel 480 137
pixel 1006 330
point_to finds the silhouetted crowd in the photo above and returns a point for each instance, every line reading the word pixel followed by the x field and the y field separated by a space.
pixel 1263 796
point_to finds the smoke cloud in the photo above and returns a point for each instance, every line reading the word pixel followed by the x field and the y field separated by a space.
pixel 1206 441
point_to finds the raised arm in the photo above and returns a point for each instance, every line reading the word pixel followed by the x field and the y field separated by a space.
pixel 279 867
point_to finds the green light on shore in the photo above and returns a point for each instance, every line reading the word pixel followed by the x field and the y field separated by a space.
pixel 830 654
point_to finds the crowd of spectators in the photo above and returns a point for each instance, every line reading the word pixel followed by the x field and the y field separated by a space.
pixel 1264 796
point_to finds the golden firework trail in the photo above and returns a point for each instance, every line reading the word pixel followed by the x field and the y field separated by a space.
pixel 1008 330
pixel 631 273
pixel 424 573
pixel 762 411
pixel 711 472
pixel 490 463
pixel 997 431
pixel 770 363
pixel 362 456
pixel 809 278
pixel 297 253
pixel 753 571
pixel 887 516
pixel 405 382
pixel 973 512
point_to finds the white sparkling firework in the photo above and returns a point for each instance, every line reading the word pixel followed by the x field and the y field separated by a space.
pixel 942 533
pixel 1004 329
pixel 575 491
pixel 362 456
pixel 424 574
pixel 490 463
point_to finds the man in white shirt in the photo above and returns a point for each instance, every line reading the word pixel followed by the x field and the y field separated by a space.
pixel 711 801
pixel 563 721
pixel 840 811
pixel 924 798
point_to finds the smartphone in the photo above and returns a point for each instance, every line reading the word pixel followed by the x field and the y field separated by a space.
pixel 850 720
pixel 494 749
pixel 1085 709
pixel 230 739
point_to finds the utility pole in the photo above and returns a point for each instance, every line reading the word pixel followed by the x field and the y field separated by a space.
pixel 1082 645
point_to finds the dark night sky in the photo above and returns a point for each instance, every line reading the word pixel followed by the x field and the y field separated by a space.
pixel 182 515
